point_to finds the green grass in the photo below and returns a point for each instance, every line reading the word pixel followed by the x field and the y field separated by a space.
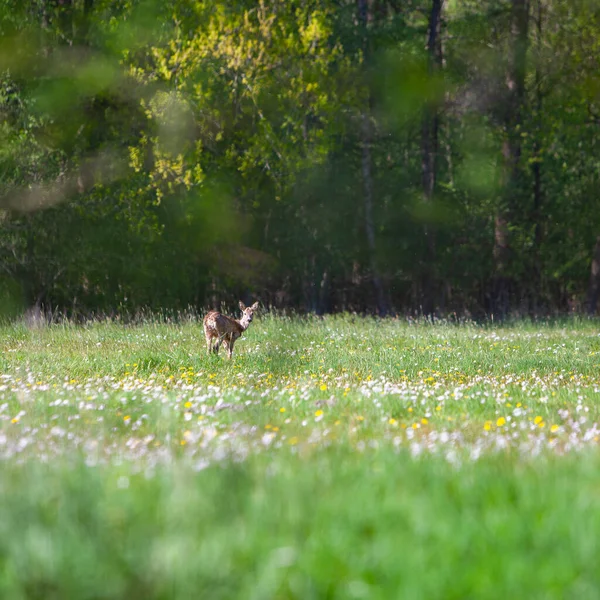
pixel 331 458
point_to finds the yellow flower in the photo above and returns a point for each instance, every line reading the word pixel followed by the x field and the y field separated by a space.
pixel 424 421
pixel 487 425
pixel 188 404
pixel 282 409
pixel 501 421
pixel 392 421
pixel 554 428
pixel 318 413
pixel 293 441
pixel 126 418
pixel 538 420
pixel 323 387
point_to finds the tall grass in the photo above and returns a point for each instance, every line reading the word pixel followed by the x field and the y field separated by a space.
pixel 331 458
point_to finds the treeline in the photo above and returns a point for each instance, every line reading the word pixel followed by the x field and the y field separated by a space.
pixel 422 156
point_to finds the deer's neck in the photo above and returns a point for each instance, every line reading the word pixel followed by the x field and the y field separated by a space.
pixel 243 324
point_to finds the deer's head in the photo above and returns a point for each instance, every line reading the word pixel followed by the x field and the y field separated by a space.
pixel 247 313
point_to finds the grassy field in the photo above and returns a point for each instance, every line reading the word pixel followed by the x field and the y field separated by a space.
pixel 333 458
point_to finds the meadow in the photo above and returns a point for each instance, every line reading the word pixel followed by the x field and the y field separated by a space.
pixel 343 457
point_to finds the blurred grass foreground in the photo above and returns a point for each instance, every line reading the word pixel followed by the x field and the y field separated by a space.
pixel 332 458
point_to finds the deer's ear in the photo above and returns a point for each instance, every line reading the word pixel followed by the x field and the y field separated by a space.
pixel 254 306
pixel 242 306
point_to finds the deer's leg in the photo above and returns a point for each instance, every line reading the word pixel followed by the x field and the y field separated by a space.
pixel 230 347
pixel 209 343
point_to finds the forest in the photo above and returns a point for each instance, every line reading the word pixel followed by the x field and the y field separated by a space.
pixel 416 157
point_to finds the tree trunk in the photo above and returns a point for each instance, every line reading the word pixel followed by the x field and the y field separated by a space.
pixel 364 17
pixel 511 152
pixel 536 276
pixel 429 151
pixel 594 285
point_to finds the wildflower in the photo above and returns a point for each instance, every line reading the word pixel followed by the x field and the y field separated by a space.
pixel 424 421
pixel 501 421
pixel 392 421
pixel 554 428
pixel 323 387
pixel 282 409
pixel 188 404
pixel 126 418
pixel 538 420
pixel 487 425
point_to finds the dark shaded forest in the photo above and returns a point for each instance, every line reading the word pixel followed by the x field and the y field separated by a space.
pixel 425 157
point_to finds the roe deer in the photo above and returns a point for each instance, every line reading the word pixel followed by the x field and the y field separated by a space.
pixel 225 329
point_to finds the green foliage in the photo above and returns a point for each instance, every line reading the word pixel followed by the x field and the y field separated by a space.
pixel 213 149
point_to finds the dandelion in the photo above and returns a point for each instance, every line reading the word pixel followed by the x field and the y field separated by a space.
pixel 323 387
pixel 424 421
pixel 282 409
pixel 554 428
pixel 392 421
pixel 126 418
pixel 501 421
pixel 538 420
pixel 487 425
